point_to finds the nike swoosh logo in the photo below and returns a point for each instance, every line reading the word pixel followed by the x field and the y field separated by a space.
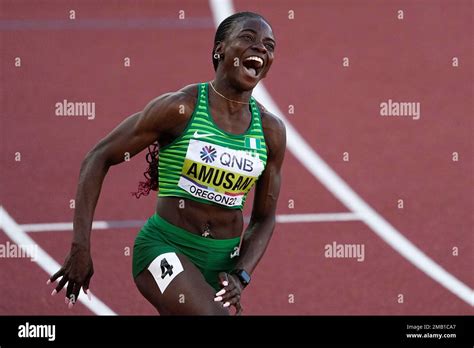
pixel 196 135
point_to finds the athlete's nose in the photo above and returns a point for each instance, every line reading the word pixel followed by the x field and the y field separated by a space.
pixel 259 46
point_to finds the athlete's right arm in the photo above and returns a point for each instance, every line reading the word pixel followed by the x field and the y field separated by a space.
pixel 162 117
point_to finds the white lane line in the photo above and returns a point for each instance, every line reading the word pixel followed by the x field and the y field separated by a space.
pixel 326 217
pixel 220 10
pixel 67 226
pixel 339 188
pixel 46 262
pixel 104 225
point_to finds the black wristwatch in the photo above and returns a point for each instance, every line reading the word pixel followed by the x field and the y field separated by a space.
pixel 243 276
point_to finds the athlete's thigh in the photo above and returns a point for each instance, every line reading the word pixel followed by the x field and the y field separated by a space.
pixel 187 293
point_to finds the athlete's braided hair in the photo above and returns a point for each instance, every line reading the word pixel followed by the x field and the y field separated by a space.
pixel 225 28
pixel 222 33
pixel 151 174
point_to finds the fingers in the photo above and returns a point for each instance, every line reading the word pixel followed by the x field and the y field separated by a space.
pixel 230 298
pixel 69 289
pixel 73 273
pixel 73 288
pixel 55 276
pixel 223 292
pixel 238 309
pixel 223 279
pixel 228 290
pixel 60 285
pixel 75 295
pixel 231 301
pixel 72 291
pixel 230 295
pixel 85 288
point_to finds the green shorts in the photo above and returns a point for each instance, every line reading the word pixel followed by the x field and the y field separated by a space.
pixel 210 256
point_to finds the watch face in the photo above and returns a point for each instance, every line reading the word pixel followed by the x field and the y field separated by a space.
pixel 244 276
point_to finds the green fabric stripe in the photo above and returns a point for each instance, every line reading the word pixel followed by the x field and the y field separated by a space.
pixel 170 161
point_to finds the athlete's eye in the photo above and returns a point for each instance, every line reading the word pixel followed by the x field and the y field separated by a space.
pixel 270 46
pixel 247 37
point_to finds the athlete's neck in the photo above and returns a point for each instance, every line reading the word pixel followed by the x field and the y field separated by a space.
pixel 240 99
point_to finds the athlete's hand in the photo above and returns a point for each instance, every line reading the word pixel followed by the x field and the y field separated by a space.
pixel 76 272
pixel 230 291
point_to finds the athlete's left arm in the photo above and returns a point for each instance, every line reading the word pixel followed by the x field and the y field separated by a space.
pixel 262 221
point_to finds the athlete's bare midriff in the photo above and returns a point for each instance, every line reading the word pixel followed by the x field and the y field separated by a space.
pixel 197 218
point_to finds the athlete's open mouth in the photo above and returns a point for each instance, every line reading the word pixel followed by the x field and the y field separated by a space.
pixel 253 65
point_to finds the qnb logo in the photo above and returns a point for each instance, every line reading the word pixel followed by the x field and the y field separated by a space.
pixel 233 161
pixel 37 331
pixel 208 154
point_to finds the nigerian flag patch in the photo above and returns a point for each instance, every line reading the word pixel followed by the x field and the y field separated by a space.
pixel 253 143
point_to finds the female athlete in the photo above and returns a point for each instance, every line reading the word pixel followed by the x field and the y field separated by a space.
pixel 215 143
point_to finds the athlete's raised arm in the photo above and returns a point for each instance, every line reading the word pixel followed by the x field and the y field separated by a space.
pixel 157 121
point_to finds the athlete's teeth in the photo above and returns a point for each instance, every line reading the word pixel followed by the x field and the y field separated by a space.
pixel 257 59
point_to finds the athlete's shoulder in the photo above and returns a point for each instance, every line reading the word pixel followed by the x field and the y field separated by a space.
pixel 182 100
pixel 174 107
pixel 189 91
pixel 273 126
pixel 169 111
pixel 274 131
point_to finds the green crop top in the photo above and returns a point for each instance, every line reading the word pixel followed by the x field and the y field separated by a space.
pixel 209 165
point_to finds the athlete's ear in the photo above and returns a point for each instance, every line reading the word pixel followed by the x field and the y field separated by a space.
pixel 219 49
